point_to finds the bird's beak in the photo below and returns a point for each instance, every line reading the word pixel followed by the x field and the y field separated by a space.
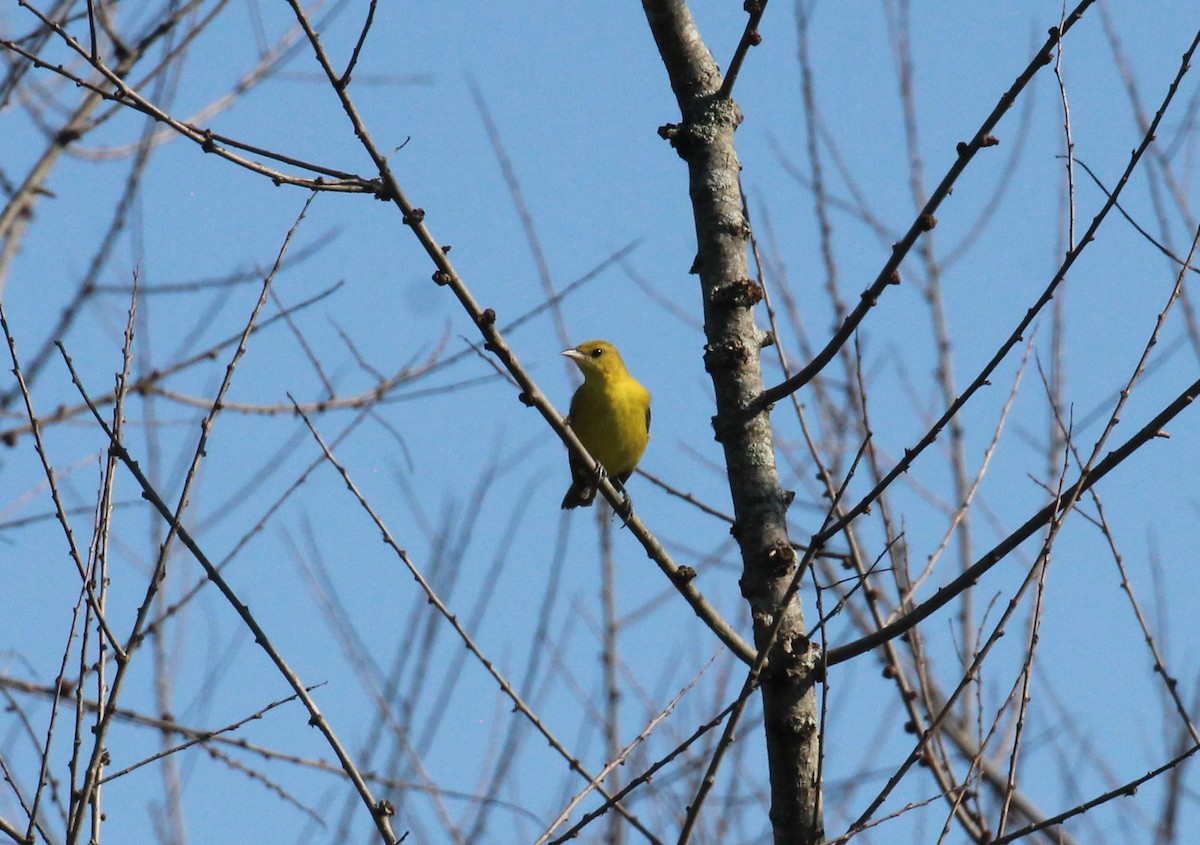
pixel 574 354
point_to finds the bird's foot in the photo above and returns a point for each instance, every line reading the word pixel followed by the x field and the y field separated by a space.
pixel 625 508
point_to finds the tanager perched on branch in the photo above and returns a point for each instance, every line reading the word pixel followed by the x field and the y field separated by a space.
pixel 610 414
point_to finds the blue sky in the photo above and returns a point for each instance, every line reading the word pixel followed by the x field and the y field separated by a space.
pixel 576 95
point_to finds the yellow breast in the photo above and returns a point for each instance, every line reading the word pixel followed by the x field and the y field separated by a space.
pixel 612 419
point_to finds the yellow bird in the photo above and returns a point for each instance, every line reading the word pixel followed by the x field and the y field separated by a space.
pixel 610 414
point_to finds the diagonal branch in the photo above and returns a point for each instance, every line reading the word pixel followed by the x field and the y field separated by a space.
pixel 1043 517
pixel 926 220
pixel 1015 337
pixel 495 342
pixel 380 810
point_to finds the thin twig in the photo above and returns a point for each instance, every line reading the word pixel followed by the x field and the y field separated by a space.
pixel 380 810
pixel 947 593
pixel 463 634
pixel 889 275
pixel 1124 790
pixel 203 738
pixel 344 81
pixel 750 38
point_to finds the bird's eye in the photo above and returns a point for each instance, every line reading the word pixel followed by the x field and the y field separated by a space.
pixel 596 353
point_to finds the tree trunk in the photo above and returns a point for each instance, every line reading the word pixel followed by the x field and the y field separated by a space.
pixel 704 139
